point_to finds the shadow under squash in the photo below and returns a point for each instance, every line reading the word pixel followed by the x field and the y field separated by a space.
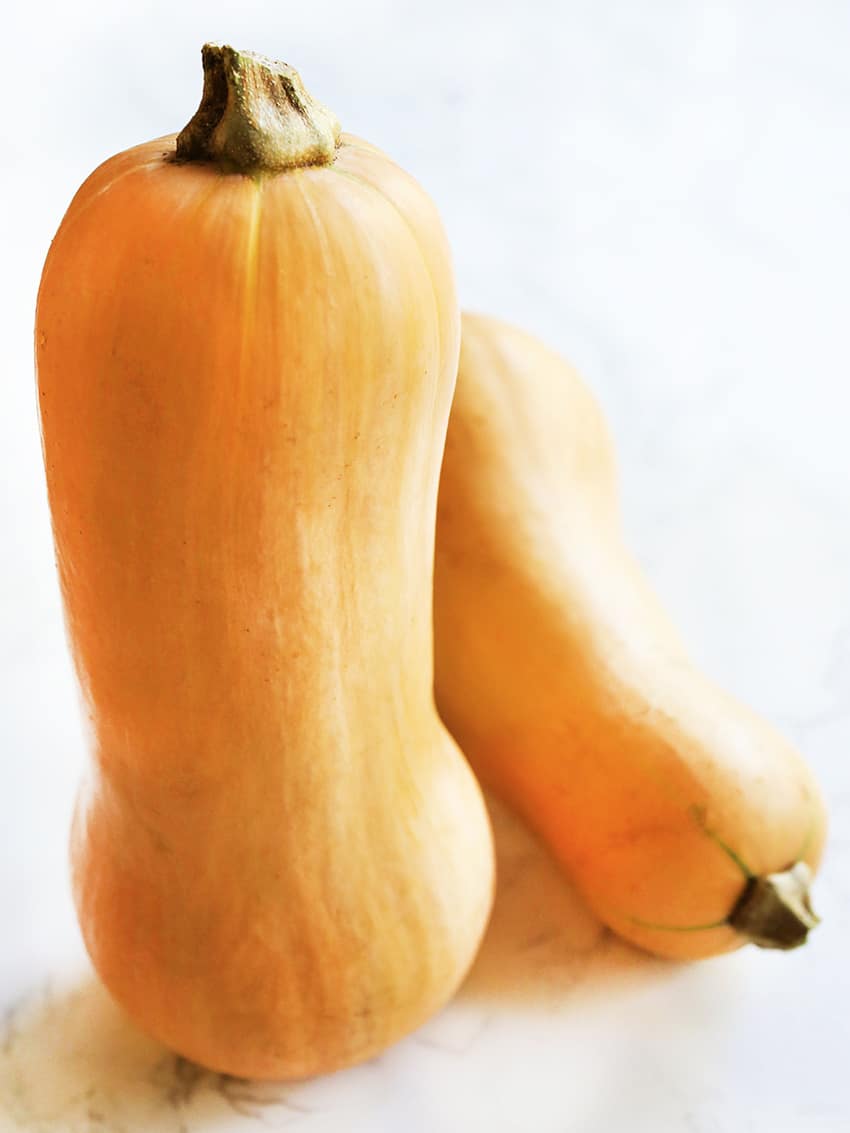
pixel 71 1062
pixel 543 942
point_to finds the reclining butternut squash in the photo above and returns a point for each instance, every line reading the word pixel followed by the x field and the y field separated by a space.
pixel 246 346
pixel 688 823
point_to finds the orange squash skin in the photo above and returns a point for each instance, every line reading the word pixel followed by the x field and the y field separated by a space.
pixel 281 862
pixel 566 685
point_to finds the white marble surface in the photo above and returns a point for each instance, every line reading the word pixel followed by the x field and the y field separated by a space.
pixel 661 190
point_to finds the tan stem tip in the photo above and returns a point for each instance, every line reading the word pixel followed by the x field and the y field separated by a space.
pixel 256 116
pixel 775 911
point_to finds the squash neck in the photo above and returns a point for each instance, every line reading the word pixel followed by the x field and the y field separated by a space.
pixel 256 116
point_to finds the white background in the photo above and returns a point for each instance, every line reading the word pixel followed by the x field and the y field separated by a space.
pixel 662 191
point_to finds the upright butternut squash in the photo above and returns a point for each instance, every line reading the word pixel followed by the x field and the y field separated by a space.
pixel 689 825
pixel 247 342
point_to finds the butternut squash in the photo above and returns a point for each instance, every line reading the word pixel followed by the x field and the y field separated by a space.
pixel 688 823
pixel 246 348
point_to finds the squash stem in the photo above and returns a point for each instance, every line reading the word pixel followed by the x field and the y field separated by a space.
pixel 774 911
pixel 255 116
